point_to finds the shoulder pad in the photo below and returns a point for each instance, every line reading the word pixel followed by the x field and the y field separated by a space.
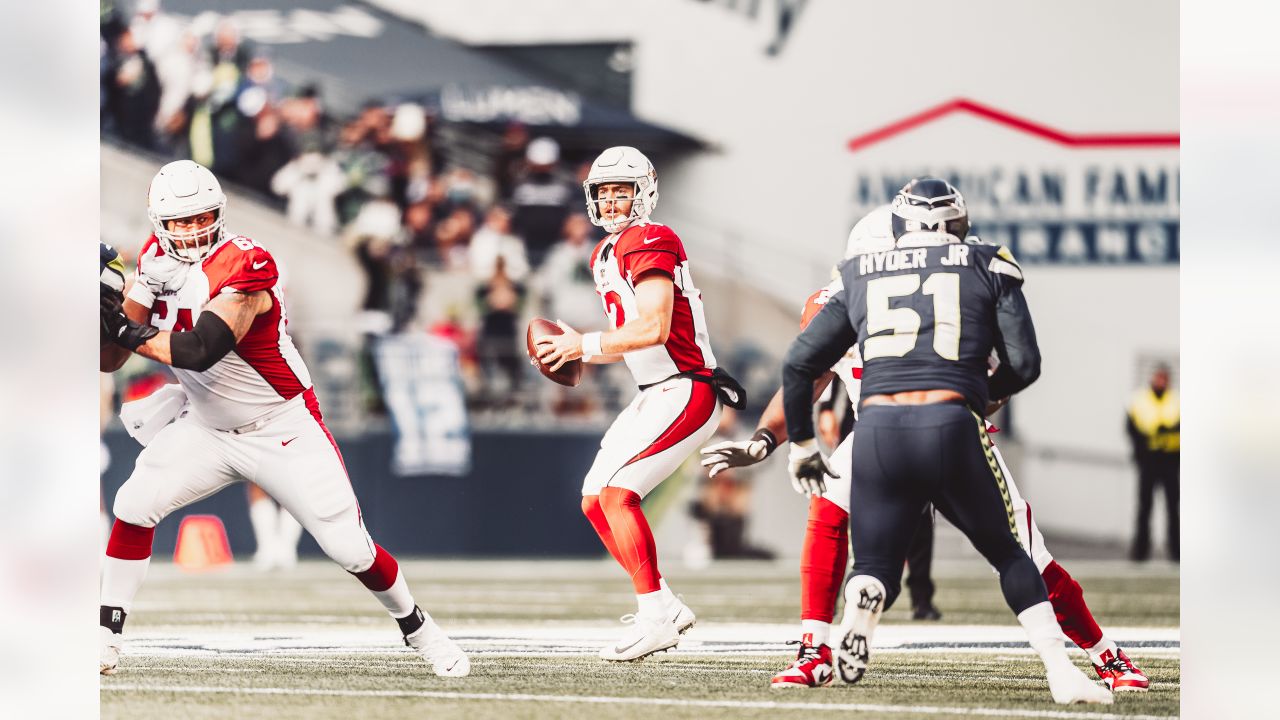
pixel 1004 264
pixel 241 266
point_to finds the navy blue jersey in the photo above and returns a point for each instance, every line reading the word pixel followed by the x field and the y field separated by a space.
pixel 925 317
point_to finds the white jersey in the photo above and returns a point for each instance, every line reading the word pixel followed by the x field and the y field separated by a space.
pixel 622 258
pixel 264 370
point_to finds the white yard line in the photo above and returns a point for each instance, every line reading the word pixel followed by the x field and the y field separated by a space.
pixel 603 700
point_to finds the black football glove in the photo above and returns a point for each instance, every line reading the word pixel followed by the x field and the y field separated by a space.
pixel 117 327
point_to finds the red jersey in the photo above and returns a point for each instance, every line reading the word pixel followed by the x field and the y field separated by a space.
pixel 618 263
pixel 264 370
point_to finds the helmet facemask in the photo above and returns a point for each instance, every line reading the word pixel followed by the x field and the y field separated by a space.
pixel 191 247
pixel 930 205
pixel 622 165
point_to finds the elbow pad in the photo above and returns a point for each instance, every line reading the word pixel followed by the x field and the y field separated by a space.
pixel 203 346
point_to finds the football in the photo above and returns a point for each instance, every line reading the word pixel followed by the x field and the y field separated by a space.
pixel 570 374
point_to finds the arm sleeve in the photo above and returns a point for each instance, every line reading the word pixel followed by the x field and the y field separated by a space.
pixel 203 346
pixel 1016 345
pixel 823 342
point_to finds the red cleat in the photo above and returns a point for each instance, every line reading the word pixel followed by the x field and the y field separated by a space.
pixel 811 668
pixel 1120 674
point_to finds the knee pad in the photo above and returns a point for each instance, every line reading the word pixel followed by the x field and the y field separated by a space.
pixel 349 546
pixel 133 506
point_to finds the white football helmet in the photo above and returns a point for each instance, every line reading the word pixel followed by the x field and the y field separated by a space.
pixel 182 189
pixel 873 233
pixel 622 164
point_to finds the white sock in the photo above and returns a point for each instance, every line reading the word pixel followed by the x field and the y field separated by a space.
pixel 667 596
pixel 1046 637
pixel 821 631
pixel 288 530
pixel 397 599
pixel 1104 645
pixel 652 605
pixel 121 580
pixel 262 516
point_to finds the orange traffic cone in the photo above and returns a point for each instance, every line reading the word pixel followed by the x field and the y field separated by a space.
pixel 202 544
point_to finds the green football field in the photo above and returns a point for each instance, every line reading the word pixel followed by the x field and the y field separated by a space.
pixel 311 643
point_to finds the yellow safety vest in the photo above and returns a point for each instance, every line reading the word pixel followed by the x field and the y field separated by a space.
pixel 1158 419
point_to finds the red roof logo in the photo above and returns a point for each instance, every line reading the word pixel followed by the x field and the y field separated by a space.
pixel 1017 123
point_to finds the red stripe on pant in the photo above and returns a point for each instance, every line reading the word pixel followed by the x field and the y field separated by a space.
pixel 823 560
pixel 697 411
pixel 313 405
pixel 130 542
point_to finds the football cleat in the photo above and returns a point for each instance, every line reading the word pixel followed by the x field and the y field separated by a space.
pixel 446 658
pixel 863 603
pixel 1069 686
pixel 108 651
pixel 681 616
pixel 926 611
pixel 1120 674
pixel 811 668
pixel 645 637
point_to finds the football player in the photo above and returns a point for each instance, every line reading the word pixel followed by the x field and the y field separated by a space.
pixel 658 328
pixel 824 556
pixel 208 303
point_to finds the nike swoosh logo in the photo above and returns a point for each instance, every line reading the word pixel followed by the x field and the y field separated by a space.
pixel 621 649
pixel 259 265
pixel 649 240
pixel 286 442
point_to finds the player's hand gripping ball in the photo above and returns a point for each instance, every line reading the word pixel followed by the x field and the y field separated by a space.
pixel 568 374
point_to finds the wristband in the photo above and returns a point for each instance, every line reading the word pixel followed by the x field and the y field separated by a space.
pixel 591 346
pixel 770 442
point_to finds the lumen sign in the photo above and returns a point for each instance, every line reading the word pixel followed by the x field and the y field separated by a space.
pixel 1063 198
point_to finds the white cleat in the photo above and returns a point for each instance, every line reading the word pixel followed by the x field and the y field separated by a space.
pixel 681 616
pixel 108 651
pixel 863 604
pixel 446 658
pixel 1070 686
pixel 645 637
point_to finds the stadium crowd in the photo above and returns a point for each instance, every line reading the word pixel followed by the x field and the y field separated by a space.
pixel 465 255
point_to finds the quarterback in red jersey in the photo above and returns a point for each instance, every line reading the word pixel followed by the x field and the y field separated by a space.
pixel 825 556
pixel 209 304
pixel 658 328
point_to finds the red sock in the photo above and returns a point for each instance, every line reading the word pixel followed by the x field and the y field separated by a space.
pixel 636 550
pixel 595 515
pixel 1069 607
pixel 823 560
pixel 382 573
pixel 130 542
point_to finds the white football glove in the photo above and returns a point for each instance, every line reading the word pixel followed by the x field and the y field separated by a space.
pixel 742 453
pixel 808 469
pixel 161 273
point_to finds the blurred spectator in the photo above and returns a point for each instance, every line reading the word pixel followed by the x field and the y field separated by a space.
pixel 269 150
pixel 564 281
pixel 410 167
pixel 460 192
pixel 492 243
pixel 721 508
pixel 509 164
pixel 1154 426
pixel 362 161
pixel 181 70
pixel 541 199
pixel 133 91
pixel 497 343
pixel 449 250
pixel 226 122
pixel 419 228
pixel 392 284
pixel 304 115
pixel 311 183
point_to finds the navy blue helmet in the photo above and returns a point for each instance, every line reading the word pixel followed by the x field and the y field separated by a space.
pixel 929 204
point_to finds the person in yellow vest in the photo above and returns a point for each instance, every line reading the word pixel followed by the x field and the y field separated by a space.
pixel 1154 426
